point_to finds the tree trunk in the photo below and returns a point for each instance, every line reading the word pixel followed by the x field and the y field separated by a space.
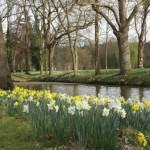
pixel 49 65
pixel 140 54
pixel 14 64
pixel 5 76
pixel 41 61
pixel 75 59
pixel 74 56
pixel 106 49
pixel 75 62
pixel 51 58
pixel 46 59
pixel 74 53
pixel 27 59
pixel 142 36
pixel 106 55
pixel 124 52
pixel 97 53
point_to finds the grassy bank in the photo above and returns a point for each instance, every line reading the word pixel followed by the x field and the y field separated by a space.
pixel 107 77
pixel 16 133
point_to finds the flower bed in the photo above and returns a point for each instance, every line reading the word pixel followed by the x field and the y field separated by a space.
pixel 89 121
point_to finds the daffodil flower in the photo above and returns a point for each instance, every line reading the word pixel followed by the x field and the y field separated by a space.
pixel 141 138
pixel 105 112
pixel 136 107
pixel 26 108
pixel 16 104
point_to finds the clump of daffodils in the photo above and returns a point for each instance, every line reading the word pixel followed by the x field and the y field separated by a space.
pixel 48 108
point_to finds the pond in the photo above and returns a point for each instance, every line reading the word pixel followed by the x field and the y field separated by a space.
pixel 89 89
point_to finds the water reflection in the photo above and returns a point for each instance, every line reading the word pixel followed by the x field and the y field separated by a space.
pixel 125 92
pixel 81 89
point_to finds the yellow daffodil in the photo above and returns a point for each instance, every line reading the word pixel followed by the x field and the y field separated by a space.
pixel 91 100
pixel 16 104
pixel 2 93
pixel 98 101
pixel 141 139
pixel 123 101
pixel 20 99
pixel 135 107
pixel 146 104
pixel 77 98
pixel 106 100
pixel 54 95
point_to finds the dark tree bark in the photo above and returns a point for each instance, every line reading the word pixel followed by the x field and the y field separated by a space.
pixel 5 76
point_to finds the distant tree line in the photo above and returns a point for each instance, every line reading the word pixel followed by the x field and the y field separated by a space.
pixel 86 54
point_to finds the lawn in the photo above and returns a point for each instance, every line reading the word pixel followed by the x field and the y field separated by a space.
pixel 16 133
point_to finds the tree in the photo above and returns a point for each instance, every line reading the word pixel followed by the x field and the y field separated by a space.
pixel 97 52
pixel 9 37
pixel 26 36
pixel 50 30
pixel 141 33
pixel 106 45
pixel 72 24
pixel 5 76
pixel 121 26
pixel 38 31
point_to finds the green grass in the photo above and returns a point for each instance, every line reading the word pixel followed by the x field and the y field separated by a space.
pixel 110 76
pixel 21 76
pixel 16 134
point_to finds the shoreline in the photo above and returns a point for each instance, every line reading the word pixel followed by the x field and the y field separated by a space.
pixel 137 77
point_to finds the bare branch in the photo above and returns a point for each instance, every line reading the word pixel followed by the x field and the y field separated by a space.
pixel 106 18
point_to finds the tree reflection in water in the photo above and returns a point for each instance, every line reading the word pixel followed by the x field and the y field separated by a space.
pixel 82 89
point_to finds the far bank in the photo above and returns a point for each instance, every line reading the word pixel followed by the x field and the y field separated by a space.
pixel 137 77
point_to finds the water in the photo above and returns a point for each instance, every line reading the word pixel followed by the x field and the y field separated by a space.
pixel 82 89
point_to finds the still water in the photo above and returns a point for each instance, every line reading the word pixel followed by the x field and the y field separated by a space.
pixel 82 89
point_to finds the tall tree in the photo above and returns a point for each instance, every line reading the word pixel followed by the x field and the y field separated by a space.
pixel 5 76
pixel 9 36
pixel 73 39
pixel 141 32
pixel 26 36
pixel 97 51
pixel 72 24
pixel 106 45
